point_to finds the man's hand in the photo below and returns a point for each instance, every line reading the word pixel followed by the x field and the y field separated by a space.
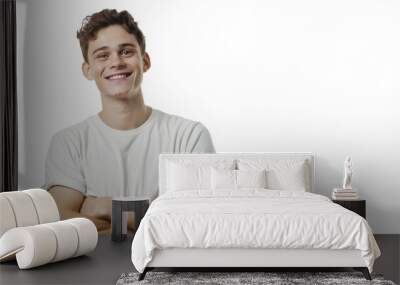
pixel 101 208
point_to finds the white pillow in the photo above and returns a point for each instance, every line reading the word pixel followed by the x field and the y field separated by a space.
pixel 193 173
pixel 237 179
pixel 223 179
pixel 282 174
pixel 251 178
pixel 185 177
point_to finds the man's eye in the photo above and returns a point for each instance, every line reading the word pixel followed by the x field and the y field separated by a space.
pixel 102 56
pixel 126 52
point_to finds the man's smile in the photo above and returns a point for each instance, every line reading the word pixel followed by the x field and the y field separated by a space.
pixel 120 75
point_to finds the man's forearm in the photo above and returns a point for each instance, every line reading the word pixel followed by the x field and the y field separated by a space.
pixel 100 223
pixel 73 204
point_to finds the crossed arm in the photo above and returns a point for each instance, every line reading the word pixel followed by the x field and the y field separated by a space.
pixel 72 204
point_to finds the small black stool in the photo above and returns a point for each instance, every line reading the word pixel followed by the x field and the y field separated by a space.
pixel 119 219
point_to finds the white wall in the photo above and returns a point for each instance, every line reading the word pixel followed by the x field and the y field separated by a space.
pixel 263 76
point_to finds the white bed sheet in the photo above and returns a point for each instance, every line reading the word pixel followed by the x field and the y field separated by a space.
pixel 250 218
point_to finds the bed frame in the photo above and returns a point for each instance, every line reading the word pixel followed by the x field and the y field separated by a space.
pixel 245 259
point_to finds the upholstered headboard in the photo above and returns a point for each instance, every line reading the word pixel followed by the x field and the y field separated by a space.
pixel 165 158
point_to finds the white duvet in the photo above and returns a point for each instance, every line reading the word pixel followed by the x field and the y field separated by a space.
pixel 251 218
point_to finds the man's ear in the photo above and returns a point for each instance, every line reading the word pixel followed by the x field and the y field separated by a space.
pixel 86 71
pixel 146 62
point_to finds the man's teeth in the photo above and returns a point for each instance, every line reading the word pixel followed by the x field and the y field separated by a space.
pixel 118 76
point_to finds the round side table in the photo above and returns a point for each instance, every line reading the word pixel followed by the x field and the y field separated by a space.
pixel 119 219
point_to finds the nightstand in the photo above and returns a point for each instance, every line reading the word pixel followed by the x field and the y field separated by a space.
pixel 357 206
pixel 119 218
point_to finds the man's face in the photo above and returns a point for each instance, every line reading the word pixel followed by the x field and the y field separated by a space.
pixel 116 63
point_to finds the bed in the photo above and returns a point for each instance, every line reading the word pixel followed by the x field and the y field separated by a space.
pixel 242 210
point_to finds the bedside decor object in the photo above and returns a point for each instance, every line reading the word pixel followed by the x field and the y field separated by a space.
pixel 357 206
pixel 119 219
pixel 31 231
pixel 348 173
pixel 345 194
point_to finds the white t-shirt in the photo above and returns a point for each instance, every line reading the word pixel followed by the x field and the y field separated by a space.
pixel 101 161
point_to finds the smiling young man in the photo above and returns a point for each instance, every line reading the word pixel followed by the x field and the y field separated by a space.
pixel 115 152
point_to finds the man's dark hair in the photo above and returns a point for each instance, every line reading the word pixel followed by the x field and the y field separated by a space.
pixel 100 20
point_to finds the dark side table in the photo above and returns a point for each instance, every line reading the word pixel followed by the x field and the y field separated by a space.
pixel 119 218
pixel 357 206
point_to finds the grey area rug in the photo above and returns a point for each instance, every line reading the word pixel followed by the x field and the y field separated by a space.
pixel 269 278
